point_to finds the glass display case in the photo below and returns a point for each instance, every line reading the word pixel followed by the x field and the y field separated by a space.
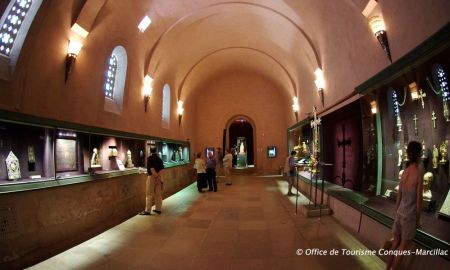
pixel 31 153
pixel 300 141
pixel 26 153
pixel 172 153
pixel 411 104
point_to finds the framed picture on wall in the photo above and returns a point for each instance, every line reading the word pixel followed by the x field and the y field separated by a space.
pixel 271 151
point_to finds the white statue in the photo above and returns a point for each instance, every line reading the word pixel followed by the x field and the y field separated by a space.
pixel 95 160
pixel 129 161
pixel 427 179
pixel 241 148
pixel 12 166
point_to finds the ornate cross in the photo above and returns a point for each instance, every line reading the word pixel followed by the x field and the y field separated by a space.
pixel 343 143
pixel 315 126
pixel 422 95
pixel 316 122
pixel 433 118
pixel 415 124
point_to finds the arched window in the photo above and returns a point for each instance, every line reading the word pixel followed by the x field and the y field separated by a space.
pixel 166 107
pixel 115 77
pixel 111 77
pixel 14 26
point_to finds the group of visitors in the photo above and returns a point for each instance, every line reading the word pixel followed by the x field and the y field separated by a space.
pixel 206 171
pixel 409 199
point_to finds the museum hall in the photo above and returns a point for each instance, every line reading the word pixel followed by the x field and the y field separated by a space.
pixel 224 134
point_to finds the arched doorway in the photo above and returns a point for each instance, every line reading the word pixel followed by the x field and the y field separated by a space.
pixel 241 138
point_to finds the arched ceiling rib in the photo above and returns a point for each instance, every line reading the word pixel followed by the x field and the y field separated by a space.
pixel 233 25
pixel 204 58
pixel 209 10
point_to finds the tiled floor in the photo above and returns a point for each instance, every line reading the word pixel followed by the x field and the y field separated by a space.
pixel 249 225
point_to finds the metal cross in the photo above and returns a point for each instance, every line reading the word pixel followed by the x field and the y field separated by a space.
pixel 422 95
pixel 315 126
pixel 316 122
pixel 433 118
pixel 415 124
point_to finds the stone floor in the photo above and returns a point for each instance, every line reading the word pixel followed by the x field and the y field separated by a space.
pixel 249 225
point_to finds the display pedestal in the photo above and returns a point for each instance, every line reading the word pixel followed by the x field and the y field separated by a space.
pixel 241 160
pixel 315 211
pixel 95 168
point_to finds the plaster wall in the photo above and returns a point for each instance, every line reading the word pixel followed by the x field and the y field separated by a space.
pixel 251 95
pixel 37 86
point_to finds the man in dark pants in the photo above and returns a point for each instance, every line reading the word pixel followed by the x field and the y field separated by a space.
pixel 154 185
pixel 211 172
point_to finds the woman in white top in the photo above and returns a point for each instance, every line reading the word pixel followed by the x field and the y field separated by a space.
pixel 227 164
pixel 200 166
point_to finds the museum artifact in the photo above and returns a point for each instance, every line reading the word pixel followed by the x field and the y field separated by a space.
pixel 424 151
pixel 113 151
pixel 31 155
pixel 129 161
pixel 427 179
pixel 242 155
pixel 12 166
pixel 405 153
pixel 435 157
pixel 343 143
pixel 95 163
pixel 443 150
pixel 433 118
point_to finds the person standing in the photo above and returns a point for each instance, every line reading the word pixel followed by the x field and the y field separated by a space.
pixel 211 172
pixel 227 164
pixel 200 166
pixel 409 205
pixel 154 185
pixel 289 169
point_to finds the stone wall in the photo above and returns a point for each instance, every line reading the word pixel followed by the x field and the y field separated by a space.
pixel 44 222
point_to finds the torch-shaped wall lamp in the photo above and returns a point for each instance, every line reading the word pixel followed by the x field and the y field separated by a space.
pixel 295 107
pixel 180 111
pixel 378 28
pixel 147 90
pixel 373 107
pixel 72 53
pixel 320 84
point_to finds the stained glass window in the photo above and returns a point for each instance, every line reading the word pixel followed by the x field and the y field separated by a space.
pixel 12 24
pixel 111 77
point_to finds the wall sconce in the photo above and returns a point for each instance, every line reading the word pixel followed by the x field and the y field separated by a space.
pixel 378 28
pixel 72 53
pixel 414 91
pixel 295 107
pixel 417 93
pixel 180 111
pixel 320 84
pixel 373 107
pixel 147 90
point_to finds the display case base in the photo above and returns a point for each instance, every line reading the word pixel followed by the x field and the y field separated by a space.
pixel 315 211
